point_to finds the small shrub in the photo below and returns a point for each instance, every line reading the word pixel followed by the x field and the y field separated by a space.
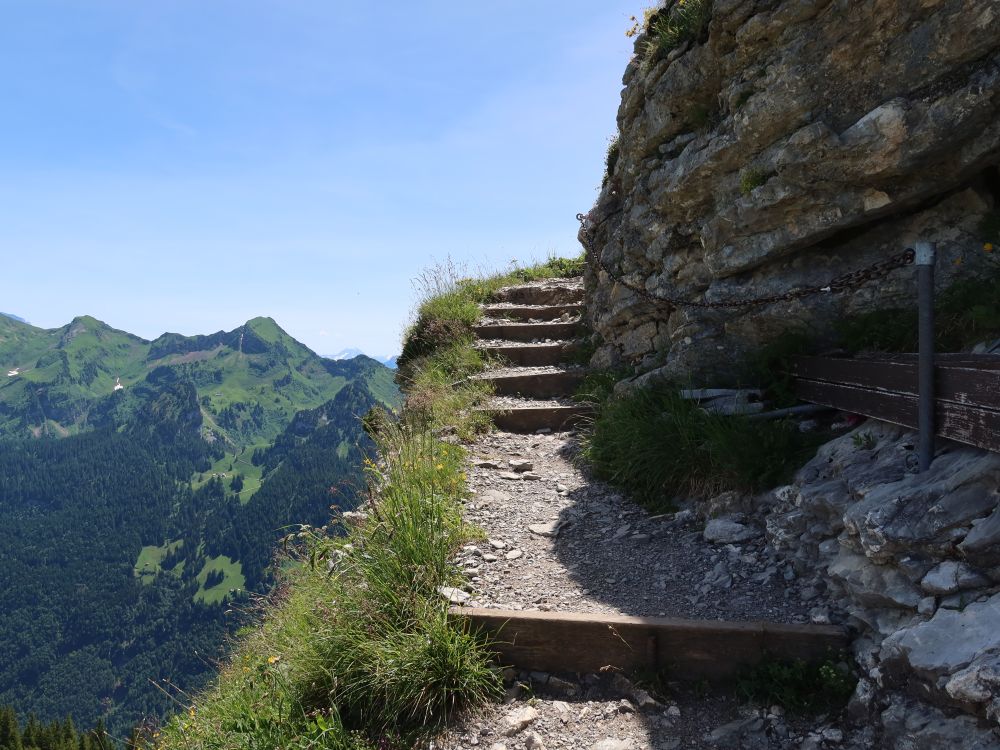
pixel 798 687
pixel 751 179
pixel 686 21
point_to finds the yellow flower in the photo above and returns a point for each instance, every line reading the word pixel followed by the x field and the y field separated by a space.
pixel 273 659
pixel 440 466
pixel 191 712
pixel 958 261
pixel 988 247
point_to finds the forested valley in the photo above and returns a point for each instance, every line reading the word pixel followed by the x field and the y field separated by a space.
pixel 132 548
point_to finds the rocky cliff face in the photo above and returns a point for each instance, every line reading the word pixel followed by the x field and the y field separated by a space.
pixel 788 143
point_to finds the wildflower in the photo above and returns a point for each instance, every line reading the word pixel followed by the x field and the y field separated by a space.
pixel 439 467
pixel 988 247
pixel 273 659
pixel 191 712
pixel 958 261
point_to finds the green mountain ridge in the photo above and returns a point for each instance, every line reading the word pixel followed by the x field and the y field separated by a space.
pixel 136 517
pixel 54 378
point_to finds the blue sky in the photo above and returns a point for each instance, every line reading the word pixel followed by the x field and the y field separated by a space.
pixel 184 165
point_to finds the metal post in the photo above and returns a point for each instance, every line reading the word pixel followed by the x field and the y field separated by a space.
pixel 925 257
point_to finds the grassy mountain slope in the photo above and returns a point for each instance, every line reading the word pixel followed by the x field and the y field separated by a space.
pixel 126 540
pixel 250 381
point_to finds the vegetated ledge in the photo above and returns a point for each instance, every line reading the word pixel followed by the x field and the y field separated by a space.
pixel 355 649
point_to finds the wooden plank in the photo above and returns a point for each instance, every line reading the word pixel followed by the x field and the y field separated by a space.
pixel 532 355
pixel 540 312
pixel 686 649
pixel 953 382
pixel 529 419
pixel 965 423
pixel 978 361
pixel 545 294
pixel 528 331
pixel 535 385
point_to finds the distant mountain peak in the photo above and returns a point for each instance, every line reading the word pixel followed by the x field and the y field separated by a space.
pixel 18 318
pixel 352 352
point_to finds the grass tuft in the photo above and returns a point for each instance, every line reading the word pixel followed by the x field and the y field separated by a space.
pixel 686 21
pixel 359 653
pixel 611 159
pixel 449 303
pixel 659 446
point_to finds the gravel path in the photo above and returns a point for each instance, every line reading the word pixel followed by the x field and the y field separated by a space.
pixel 558 540
pixel 608 712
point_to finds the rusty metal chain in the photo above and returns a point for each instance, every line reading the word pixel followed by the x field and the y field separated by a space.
pixel 837 285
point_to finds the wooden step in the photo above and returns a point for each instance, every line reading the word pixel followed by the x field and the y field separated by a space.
pixel 552 293
pixel 532 312
pixel 537 355
pixel 528 419
pixel 527 331
pixel 684 649
pixel 533 384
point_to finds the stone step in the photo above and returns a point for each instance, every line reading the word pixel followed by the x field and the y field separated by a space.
pixel 531 355
pixel 528 331
pixel 552 292
pixel 528 419
pixel 549 383
pixel 532 312
pixel 685 649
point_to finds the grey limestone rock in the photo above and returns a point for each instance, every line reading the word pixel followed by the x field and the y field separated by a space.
pixel 948 642
pixel 836 133
pixel 725 531
pixel 909 725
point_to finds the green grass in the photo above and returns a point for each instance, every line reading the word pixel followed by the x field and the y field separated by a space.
pixel 232 573
pixel 449 306
pixel 148 563
pixel 442 396
pixel 965 313
pixel 358 652
pixel 798 686
pixel 659 446
pixel 687 21
pixel 241 464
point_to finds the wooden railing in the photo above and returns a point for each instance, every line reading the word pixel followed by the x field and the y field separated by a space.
pixel 967 391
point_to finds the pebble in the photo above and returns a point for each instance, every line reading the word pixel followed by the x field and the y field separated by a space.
pixel 519 719
pixel 514 554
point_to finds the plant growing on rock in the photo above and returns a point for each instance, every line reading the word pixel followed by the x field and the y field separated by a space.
pixel 798 686
pixel 686 21
pixel 751 179
pixel 611 159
